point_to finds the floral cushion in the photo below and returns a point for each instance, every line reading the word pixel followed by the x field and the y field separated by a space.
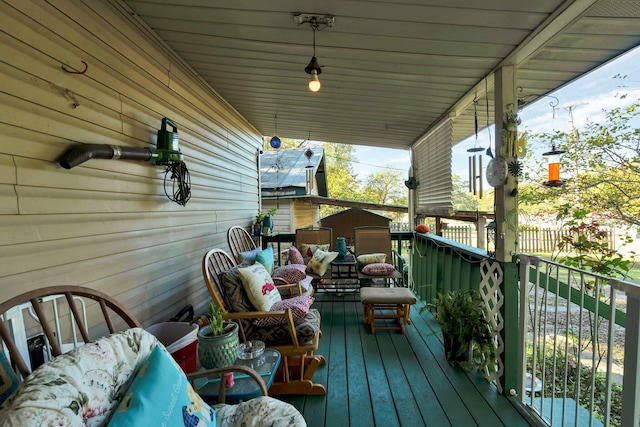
pixel 82 387
pixel 290 273
pixel 320 262
pixel 259 286
pixel 299 309
pixel 308 249
pixel 159 395
pixel 261 411
pixel 295 257
pixel 365 259
pixel 378 269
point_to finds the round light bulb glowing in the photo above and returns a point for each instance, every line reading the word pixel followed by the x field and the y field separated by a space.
pixel 314 82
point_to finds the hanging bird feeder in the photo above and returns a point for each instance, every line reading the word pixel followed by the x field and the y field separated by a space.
pixel 553 161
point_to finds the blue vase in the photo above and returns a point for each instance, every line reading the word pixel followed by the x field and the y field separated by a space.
pixel 341 246
pixel 267 226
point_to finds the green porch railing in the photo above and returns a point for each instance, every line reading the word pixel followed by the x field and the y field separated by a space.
pixel 440 265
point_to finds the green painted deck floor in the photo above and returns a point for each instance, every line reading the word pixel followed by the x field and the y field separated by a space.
pixel 389 379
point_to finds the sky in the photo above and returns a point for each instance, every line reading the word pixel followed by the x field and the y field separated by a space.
pixel 588 97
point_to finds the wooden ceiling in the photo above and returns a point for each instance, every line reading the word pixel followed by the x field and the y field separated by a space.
pixel 391 69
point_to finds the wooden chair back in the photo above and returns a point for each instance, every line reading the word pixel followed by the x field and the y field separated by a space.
pixel 315 236
pixel 48 318
pixel 214 263
pixel 372 239
pixel 239 240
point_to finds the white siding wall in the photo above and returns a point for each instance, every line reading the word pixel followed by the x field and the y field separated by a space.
pixel 107 224
pixel 282 218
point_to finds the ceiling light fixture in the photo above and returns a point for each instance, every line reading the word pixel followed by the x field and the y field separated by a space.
pixel 314 68
pixel 317 22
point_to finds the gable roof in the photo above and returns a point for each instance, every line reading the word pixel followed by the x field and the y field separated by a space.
pixel 283 172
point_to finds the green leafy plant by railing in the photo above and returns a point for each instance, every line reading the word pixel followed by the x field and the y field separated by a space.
pixel 587 245
pixel 587 248
pixel 461 316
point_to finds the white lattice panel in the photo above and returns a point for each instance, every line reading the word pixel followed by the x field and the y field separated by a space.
pixel 492 277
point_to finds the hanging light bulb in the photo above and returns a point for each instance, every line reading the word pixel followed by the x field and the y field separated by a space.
pixel 314 68
pixel 314 81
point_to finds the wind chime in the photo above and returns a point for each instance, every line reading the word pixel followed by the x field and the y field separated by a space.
pixel 309 171
pixel 475 160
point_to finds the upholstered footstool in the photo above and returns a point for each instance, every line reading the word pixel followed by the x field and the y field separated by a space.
pixel 387 303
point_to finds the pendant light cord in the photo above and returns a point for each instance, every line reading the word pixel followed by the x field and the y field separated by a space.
pixel 314 26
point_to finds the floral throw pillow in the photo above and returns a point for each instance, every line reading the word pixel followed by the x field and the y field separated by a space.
pixel 259 286
pixel 299 309
pixel 320 262
pixel 290 273
pixel 295 257
pixel 308 249
pixel 378 269
pixel 365 259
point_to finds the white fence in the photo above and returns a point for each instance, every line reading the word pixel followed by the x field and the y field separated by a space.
pixel 532 239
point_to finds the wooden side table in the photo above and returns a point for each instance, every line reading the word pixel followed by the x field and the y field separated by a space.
pixel 244 388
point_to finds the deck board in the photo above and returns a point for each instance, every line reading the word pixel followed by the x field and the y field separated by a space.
pixel 389 379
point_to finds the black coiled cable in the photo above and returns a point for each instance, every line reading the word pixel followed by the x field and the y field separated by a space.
pixel 181 183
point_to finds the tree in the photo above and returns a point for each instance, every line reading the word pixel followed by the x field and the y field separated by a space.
pixel 460 197
pixel 603 165
pixel 386 188
pixel 342 181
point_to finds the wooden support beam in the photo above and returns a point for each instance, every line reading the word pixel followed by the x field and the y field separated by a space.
pixel 506 239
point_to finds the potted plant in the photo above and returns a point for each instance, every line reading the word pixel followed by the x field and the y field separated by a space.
pixel 217 341
pixel 257 226
pixel 465 331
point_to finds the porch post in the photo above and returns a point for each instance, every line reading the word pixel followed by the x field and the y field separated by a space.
pixel 506 238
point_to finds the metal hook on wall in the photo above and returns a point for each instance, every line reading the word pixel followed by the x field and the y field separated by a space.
pixel 86 67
